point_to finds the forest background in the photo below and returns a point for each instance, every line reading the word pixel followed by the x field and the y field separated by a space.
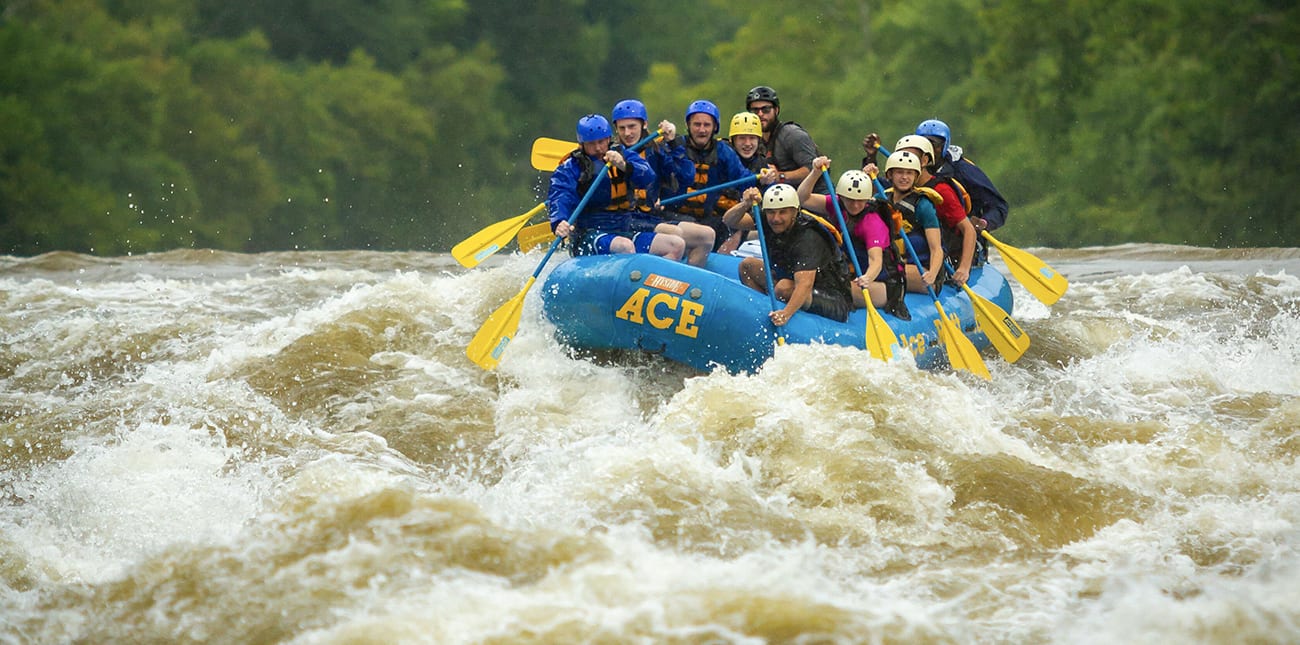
pixel 130 126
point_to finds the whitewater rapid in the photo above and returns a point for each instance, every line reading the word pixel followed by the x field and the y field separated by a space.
pixel 204 446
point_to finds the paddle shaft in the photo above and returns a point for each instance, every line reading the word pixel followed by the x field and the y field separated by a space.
pixel 708 189
pixel 757 214
pixel 577 210
pixel 875 344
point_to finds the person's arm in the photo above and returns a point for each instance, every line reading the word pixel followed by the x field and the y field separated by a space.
pixel 793 177
pixel 933 240
pixel 562 197
pixel 739 217
pixel 929 220
pixel 640 174
pixel 967 231
pixel 802 151
pixel 803 287
pixel 875 263
pixel 805 191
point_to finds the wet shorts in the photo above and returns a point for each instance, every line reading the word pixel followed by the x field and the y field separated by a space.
pixel 597 242
pixel 822 303
pixel 643 223
pixel 828 306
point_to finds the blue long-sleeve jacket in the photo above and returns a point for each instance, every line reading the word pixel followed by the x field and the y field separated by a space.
pixel 563 195
pixel 986 201
pixel 673 170
pixel 727 167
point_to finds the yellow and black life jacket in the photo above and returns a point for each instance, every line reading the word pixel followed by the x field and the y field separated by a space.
pixel 618 197
pixel 703 160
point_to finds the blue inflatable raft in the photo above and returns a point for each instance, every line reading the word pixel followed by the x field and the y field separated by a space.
pixel 706 318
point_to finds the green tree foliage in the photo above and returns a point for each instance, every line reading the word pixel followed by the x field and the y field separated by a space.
pixel 139 125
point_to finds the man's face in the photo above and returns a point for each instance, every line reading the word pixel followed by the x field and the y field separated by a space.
pixel 937 144
pixel 701 126
pixel 766 111
pixel 781 219
pixel 629 130
pixel 745 144
pixel 595 148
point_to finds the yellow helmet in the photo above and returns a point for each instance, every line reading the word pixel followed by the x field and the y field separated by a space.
pixel 745 123
pixel 916 141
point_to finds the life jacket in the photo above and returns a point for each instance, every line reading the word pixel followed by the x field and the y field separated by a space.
pixel 949 238
pixel 964 196
pixel 893 264
pixel 641 200
pixel 703 160
pixel 837 239
pixel 947 171
pixel 842 275
pixel 754 165
pixel 905 216
pixel 619 200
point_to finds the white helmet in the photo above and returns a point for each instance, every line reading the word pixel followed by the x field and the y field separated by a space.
pixel 903 159
pixel 854 184
pixel 916 141
pixel 780 196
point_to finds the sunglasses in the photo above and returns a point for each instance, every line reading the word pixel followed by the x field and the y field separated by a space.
pixel 762 110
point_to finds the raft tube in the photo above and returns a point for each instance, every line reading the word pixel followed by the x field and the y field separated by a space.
pixel 705 318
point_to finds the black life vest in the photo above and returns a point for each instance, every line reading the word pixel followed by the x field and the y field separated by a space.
pixel 842 272
pixel 893 264
pixel 618 197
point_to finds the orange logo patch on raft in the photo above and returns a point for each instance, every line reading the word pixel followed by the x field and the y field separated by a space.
pixel 666 284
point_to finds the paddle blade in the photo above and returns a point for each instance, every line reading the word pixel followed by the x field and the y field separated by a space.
pixel 492 238
pixel 531 237
pixel 497 332
pixel 961 352
pixel 880 338
pixel 1003 331
pixel 548 153
pixel 1035 275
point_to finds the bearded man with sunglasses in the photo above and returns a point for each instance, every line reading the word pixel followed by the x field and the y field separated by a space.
pixel 789 147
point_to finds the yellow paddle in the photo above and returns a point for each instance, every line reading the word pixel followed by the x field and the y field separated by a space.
pixel 880 338
pixel 492 338
pixel 496 333
pixel 481 245
pixel 962 354
pixel 1003 331
pixel 549 153
pixel 1037 277
pixel 531 237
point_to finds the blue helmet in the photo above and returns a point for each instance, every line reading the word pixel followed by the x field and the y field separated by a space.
pixel 593 127
pixel 706 107
pixel 628 109
pixel 936 128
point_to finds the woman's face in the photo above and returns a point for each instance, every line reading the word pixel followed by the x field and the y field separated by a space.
pixel 745 144
pixel 903 178
pixel 854 206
